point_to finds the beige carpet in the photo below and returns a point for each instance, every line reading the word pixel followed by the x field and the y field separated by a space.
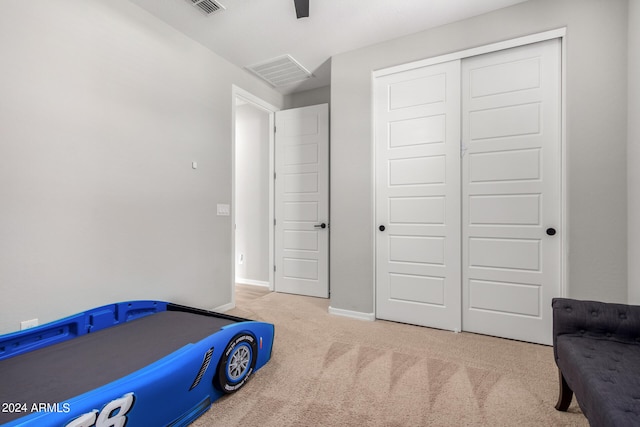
pixel 333 371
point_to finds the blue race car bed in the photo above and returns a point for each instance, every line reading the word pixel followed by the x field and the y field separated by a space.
pixel 139 363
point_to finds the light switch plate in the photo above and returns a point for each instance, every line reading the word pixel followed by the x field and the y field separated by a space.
pixel 224 209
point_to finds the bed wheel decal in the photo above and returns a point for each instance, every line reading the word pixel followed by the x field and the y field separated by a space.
pixel 237 363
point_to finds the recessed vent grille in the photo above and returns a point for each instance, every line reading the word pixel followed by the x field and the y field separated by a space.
pixel 203 368
pixel 208 7
pixel 280 71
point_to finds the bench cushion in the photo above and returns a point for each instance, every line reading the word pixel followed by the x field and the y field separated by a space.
pixel 604 374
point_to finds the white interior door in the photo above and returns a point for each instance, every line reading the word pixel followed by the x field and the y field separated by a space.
pixel 417 133
pixel 511 191
pixel 302 201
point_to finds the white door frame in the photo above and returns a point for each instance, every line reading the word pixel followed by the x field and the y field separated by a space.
pixel 238 93
pixel 559 33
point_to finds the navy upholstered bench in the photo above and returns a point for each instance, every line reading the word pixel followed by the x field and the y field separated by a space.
pixel 597 349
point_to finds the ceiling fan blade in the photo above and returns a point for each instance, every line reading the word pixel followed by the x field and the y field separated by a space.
pixel 302 8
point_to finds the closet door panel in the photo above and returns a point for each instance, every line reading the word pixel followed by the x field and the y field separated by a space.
pixel 468 193
pixel 417 137
pixel 511 191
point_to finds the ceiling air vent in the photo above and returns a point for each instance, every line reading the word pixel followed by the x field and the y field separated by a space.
pixel 208 7
pixel 280 71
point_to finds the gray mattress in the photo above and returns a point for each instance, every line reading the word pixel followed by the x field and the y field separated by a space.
pixel 59 372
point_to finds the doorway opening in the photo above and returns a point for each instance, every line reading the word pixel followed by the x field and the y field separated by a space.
pixel 252 191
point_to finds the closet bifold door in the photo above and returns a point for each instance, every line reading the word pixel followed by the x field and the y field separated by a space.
pixel 511 191
pixel 417 164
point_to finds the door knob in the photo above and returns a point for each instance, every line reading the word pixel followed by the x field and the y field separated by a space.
pixel 551 231
pixel 323 225
pixel 381 228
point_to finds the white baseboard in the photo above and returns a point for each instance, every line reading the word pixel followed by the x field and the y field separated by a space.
pixel 352 314
pixel 225 307
pixel 252 282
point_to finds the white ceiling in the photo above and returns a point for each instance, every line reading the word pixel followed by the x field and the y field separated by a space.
pixel 253 31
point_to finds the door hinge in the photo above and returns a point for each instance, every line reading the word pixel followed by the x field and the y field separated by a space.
pixel 274 221
pixel 274 268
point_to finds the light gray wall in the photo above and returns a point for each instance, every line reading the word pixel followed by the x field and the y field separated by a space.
pixel 633 165
pixel 596 140
pixel 321 95
pixel 102 110
pixel 252 194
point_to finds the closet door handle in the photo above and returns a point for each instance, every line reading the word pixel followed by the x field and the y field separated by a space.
pixel 323 225
pixel 551 231
pixel 381 228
